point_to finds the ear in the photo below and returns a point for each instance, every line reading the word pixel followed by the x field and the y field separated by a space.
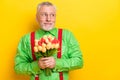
pixel 36 17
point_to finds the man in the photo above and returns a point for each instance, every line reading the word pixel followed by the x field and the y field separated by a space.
pixel 71 56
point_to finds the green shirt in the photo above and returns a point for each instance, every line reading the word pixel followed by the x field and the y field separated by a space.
pixel 71 56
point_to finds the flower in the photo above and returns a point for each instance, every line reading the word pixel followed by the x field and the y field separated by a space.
pixel 35 49
pixel 48 46
pixel 36 42
pixel 56 46
pixel 39 48
pixel 45 47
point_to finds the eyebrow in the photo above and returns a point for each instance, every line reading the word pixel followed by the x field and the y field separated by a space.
pixel 47 13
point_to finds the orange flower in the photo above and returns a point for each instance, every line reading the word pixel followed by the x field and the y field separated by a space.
pixel 39 43
pixel 55 41
pixel 42 40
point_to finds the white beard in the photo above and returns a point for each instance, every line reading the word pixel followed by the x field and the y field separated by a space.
pixel 47 28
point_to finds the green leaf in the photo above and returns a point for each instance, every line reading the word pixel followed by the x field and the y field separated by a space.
pixel 52 51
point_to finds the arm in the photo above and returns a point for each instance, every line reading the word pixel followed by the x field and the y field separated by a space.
pixel 23 61
pixel 74 60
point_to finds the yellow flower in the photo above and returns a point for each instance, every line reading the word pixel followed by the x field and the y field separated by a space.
pixel 40 48
pixel 44 37
pixel 35 49
pixel 43 45
pixel 46 40
pixel 50 37
pixel 48 46
pixel 36 42
pixel 43 49
pixel 56 46
pixel 52 46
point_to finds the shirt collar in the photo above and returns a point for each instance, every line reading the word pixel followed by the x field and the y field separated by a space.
pixel 52 31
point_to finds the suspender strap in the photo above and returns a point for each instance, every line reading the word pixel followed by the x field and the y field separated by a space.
pixel 32 48
pixel 59 52
pixel 33 44
pixel 60 39
pixel 58 55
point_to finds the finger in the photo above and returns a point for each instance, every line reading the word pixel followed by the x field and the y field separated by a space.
pixel 47 65
pixel 47 61
pixel 44 59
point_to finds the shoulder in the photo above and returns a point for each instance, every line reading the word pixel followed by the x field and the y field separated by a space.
pixel 67 35
pixel 26 37
pixel 67 32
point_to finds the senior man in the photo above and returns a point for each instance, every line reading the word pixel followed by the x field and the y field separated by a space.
pixel 68 58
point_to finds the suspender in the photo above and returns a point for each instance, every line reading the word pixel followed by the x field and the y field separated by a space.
pixel 59 52
pixel 32 48
pixel 33 44
pixel 58 55
pixel 60 39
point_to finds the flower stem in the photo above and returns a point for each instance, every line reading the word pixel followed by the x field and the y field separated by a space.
pixel 48 72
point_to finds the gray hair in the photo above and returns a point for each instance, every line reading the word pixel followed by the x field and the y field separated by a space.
pixel 45 4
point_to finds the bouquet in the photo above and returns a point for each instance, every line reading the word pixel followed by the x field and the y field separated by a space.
pixel 45 47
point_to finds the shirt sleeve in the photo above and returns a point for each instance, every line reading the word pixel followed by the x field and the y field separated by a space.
pixel 75 59
pixel 23 62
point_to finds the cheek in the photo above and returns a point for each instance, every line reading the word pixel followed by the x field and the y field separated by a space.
pixel 53 20
pixel 42 21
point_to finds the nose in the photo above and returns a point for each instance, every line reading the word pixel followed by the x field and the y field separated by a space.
pixel 48 18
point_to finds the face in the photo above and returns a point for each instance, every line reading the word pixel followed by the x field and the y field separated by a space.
pixel 46 17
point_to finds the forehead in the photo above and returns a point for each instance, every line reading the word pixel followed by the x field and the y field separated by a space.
pixel 47 9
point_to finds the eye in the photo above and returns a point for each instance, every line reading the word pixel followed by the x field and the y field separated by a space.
pixel 52 15
pixel 44 14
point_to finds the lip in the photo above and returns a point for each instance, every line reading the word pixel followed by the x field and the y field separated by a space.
pixel 47 23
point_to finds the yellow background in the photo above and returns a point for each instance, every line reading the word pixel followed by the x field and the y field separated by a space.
pixel 95 24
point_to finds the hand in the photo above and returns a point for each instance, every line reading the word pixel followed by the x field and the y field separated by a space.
pixel 41 63
pixel 47 62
